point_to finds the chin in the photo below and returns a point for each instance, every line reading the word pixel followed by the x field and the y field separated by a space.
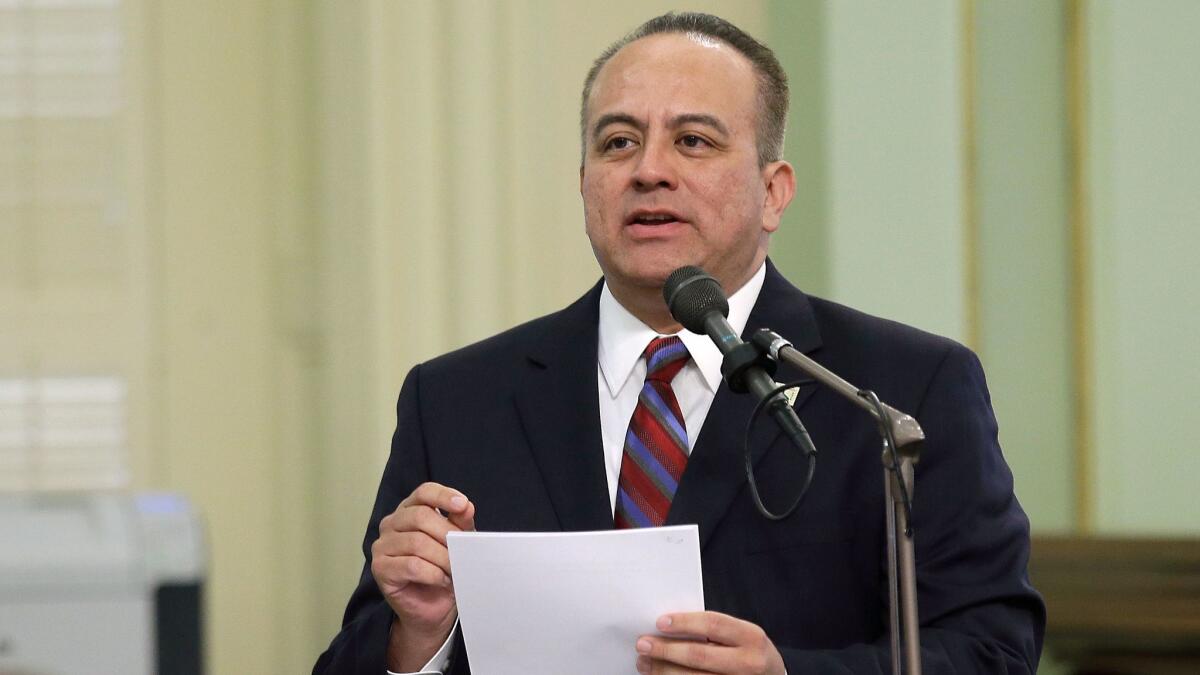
pixel 639 275
pixel 656 274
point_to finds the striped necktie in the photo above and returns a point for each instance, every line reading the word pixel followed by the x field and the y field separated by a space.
pixel 656 445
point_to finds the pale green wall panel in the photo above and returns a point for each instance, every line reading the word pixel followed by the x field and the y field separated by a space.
pixel 1145 203
pixel 796 31
pixel 876 136
pixel 1022 248
pixel 895 161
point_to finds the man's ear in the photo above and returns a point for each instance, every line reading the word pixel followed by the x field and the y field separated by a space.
pixel 581 178
pixel 780 180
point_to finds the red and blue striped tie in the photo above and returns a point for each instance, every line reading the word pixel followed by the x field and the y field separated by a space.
pixel 656 445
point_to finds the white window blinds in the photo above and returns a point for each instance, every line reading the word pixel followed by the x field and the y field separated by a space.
pixel 65 292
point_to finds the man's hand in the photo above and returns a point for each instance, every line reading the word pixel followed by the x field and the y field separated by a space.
pixel 708 642
pixel 411 566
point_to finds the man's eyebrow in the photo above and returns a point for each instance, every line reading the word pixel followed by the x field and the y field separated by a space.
pixel 615 118
pixel 676 122
pixel 699 118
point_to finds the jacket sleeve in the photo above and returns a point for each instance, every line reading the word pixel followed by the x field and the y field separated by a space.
pixel 977 609
pixel 361 646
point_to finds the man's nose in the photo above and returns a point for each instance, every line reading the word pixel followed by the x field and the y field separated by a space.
pixel 655 168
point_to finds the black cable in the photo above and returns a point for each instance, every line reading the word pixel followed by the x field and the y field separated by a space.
pixel 810 451
pixel 889 439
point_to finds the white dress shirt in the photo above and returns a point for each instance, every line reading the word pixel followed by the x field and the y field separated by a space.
pixel 620 374
pixel 621 371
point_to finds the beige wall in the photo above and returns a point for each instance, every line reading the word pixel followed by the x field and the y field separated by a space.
pixel 326 193
pixel 225 125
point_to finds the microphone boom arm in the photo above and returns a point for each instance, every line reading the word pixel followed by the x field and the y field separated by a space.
pixel 902 441
pixel 905 430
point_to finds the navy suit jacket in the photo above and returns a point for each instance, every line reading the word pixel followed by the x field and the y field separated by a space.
pixel 513 422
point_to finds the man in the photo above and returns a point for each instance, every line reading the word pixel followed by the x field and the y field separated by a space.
pixel 682 125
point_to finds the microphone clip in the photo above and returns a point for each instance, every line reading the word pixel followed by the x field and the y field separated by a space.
pixel 741 358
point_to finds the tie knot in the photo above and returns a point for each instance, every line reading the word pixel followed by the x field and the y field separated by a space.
pixel 665 356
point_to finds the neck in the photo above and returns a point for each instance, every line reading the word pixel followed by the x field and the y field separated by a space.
pixel 648 306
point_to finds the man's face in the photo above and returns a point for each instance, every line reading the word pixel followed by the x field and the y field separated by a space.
pixel 670 175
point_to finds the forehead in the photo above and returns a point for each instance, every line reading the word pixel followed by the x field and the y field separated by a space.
pixel 675 73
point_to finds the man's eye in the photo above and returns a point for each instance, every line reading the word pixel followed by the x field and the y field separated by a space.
pixel 618 143
pixel 693 141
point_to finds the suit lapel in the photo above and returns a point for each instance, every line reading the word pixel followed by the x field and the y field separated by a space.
pixel 560 415
pixel 716 471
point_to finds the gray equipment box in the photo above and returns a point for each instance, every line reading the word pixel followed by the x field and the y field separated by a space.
pixel 100 583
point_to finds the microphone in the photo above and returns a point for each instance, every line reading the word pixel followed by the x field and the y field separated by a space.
pixel 697 301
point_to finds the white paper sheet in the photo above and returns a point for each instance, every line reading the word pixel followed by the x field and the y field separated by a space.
pixel 572 602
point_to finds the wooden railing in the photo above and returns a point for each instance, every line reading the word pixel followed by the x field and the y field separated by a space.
pixel 1121 606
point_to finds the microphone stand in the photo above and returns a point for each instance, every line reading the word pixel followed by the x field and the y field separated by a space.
pixel 898 460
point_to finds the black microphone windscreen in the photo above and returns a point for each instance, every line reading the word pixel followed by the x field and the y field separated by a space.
pixel 691 295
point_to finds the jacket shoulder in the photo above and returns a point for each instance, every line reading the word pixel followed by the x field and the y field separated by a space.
pixel 859 332
pixel 898 361
pixel 565 330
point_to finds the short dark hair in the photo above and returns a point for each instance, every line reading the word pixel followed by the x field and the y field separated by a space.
pixel 772 81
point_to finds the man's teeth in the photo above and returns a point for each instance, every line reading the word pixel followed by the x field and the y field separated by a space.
pixel 656 219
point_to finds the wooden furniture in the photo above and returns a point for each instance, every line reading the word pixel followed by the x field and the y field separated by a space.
pixel 1121 606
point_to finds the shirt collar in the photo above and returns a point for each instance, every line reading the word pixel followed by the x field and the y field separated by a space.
pixel 623 336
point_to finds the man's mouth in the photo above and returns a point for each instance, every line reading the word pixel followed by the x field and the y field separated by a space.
pixel 653 218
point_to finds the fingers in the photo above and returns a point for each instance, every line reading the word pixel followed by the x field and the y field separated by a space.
pixel 401 558
pixel 712 626
pixel 419 512
pixel 416 518
pixel 465 519
pixel 418 544
pixel 437 496
pixel 411 547
pixel 664 655
pixel 707 642
pixel 403 570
